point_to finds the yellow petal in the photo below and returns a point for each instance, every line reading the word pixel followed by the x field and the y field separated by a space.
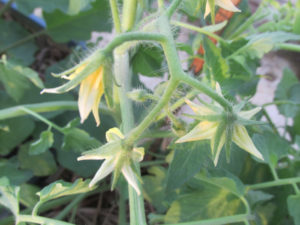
pixel 227 4
pixel 220 146
pixel 88 93
pixel 137 154
pixel 199 109
pixel 106 168
pixel 204 130
pixel 114 134
pixel 207 10
pixel 242 139
pixel 95 108
pixel 75 73
pixel 249 113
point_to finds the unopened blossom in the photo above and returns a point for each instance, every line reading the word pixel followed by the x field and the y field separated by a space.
pixel 225 4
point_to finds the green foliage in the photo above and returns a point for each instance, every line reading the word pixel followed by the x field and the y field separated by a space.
pixel 201 202
pixel 287 91
pixel 12 32
pixel 41 149
pixel 9 196
pixel 42 144
pixel 41 165
pixel 215 65
pixel 148 61
pixel 61 188
pixel 62 27
pixel 189 158
pixel 293 202
pixel 18 130
pixel 272 147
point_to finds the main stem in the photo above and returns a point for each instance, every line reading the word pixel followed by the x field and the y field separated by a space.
pixel 123 75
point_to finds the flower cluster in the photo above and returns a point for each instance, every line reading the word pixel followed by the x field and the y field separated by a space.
pixel 117 159
pixel 220 126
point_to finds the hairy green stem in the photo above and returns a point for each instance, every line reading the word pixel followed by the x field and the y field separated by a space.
pixel 129 13
pixel 274 173
pixel 74 203
pixel 115 15
pixel 43 119
pixel 137 132
pixel 206 90
pixel 40 220
pixel 123 76
pixel 265 113
pixel 16 111
pixel 269 184
pixel 281 102
pixel 198 29
pixel 172 8
pixel 221 220
pixel 132 36
pixel 289 47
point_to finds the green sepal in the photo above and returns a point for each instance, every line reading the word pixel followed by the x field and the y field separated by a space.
pixel 108 82
pixel 218 136
pixel 107 150
pixel 246 122
pixel 118 169
pixel 212 10
pixel 228 140
pixel 212 118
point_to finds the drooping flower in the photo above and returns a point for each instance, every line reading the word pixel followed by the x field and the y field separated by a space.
pixel 225 4
pixel 90 76
pixel 116 159
pixel 216 126
pixel 90 93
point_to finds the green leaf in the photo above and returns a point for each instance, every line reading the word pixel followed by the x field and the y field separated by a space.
pixel 9 196
pixel 63 28
pixel 9 168
pixel 154 188
pixel 215 65
pixel 260 44
pixel 258 197
pixel 11 32
pixel 287 91
pixel 192 8
pixel 293 202
pixel 230 182
pixel 19 129
pixel 41 165
pixel 148 61
pixel 271 146
pixel 203 201
pixel 189 158
pixel 15 79
pixel 42 144
pixel 28 195
pixel 68 160
pixel 78 140
pixel 67 6
pixel 61 188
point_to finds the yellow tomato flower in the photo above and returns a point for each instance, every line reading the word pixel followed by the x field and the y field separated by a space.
pixel 90 92
pixel 207 129
pixel 225 4
pixel 116 159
